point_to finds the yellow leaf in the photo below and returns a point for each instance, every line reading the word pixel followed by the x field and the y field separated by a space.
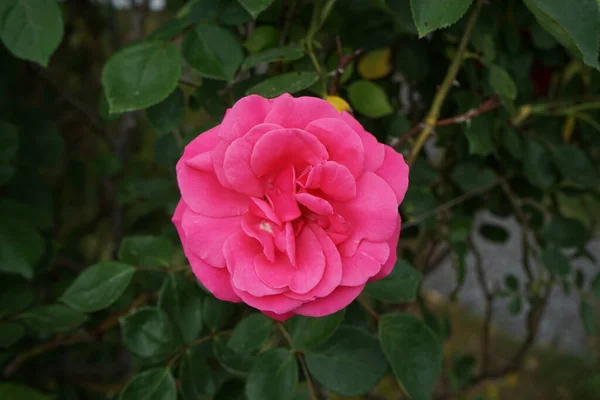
pixel 492 392
pixel 511 380
pixel 375 64
pixel 340 104
pixel 568 128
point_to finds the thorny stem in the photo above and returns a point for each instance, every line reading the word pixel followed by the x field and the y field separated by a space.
pixel 440 96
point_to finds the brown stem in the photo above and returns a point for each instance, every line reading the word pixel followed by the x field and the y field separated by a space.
pixel 489 308
pixel 345 60
pixel 311 389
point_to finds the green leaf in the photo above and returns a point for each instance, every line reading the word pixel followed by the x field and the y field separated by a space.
pixel 588 317
pixel 204 10
pixel 21 247
pixel 262 38
pixel 9 147
pixel 53 318
pixel 537 165
pixel 555 261
pixel 494 233
pixel 212 51
pixel 153 384
pixel 515 305
pixel 430 15
pixel 217 314
pixel 196 377
pixel 98 286
pixel 141 75
pixel 251 333
pixel 274 376
pixel 290 82
pixel 238 364
pixel 11 391
pixel 170 29
pixel 400 286
pixel 182 302
pixel 574 165
pixel 31 29
pixel 309 332
pixel 403 14
pixel 168 114
pixel 565 232
pixel 369 99
pixel 147 251
pixel 414 353
pixel 502 83
pixel 479 135
pixel 287 53
pixel 576 25
pixel 148 332
pixel 10 333
pixel 255 7
pixel 350 363
pixel 595 286
pixel 511 282
pixel 470 176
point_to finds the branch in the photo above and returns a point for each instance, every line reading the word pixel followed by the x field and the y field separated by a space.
pixel 489 308
pixel 434 112
pixel 345 60
pixel 489 105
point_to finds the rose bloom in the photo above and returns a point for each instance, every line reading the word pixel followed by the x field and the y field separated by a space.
pixel 289 206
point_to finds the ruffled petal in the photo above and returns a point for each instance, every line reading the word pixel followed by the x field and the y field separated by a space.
pixel 203 193
pixel 215 280
pixel 387 267
pixel 337 182
pixel 342 143
pixel 365 263
pixel 315 204
pixel 177 216
pixel 395 172
pixel 206 236
pixel 278 317
pixel 278 304
pixel 373 212
pixel 291 112
pixel 373 150
pixel 246 113
pixel 205 142
pixel 240 252
pixel 338 299
pixel 276 149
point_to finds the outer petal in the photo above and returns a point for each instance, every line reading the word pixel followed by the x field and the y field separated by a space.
pixel 395 172
pixel 278 317
pixel 374 152
pixel 365 263
pixel 203 193
pixel 291 112
pixel 177 216
pixel 337 300
pixel 245 114
pixel 342 143
pixel 386 268
pixel 216 280
pixel 281 147
pixel 206 236
pixel 240 252
pixel 373 212
pixel 278 304
pixel 205 142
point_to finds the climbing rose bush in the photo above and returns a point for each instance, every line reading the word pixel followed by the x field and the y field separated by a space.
pixel 289 206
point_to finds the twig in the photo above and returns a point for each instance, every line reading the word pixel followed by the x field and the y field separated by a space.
pixel 489 307
pixel 363 302
pixel 452 203
pixel 344 61
pixel 440 96
pixel 311 389
pixel 489 105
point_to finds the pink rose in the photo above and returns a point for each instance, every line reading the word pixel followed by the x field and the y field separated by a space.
pixel 289 206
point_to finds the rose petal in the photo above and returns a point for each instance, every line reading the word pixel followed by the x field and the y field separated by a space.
pixel 201 162
pixel 218 157
pixel 203 193
pixel 278 304
pixel 276 149
pixel 395 172
pixel 236 163
pixel 386 268
pixel 215 280
pixel 373 212
pixel 291 112
pixel 365 263
pixel 177 215
pixel 342 143
pixel 315 204
pixel 373 150
pixel 278 317
pixel 240 252
pixel 337 182
pixel 206 236
pixel 338 299
pixel 246 113
pixel 203 143
pixel 281 195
